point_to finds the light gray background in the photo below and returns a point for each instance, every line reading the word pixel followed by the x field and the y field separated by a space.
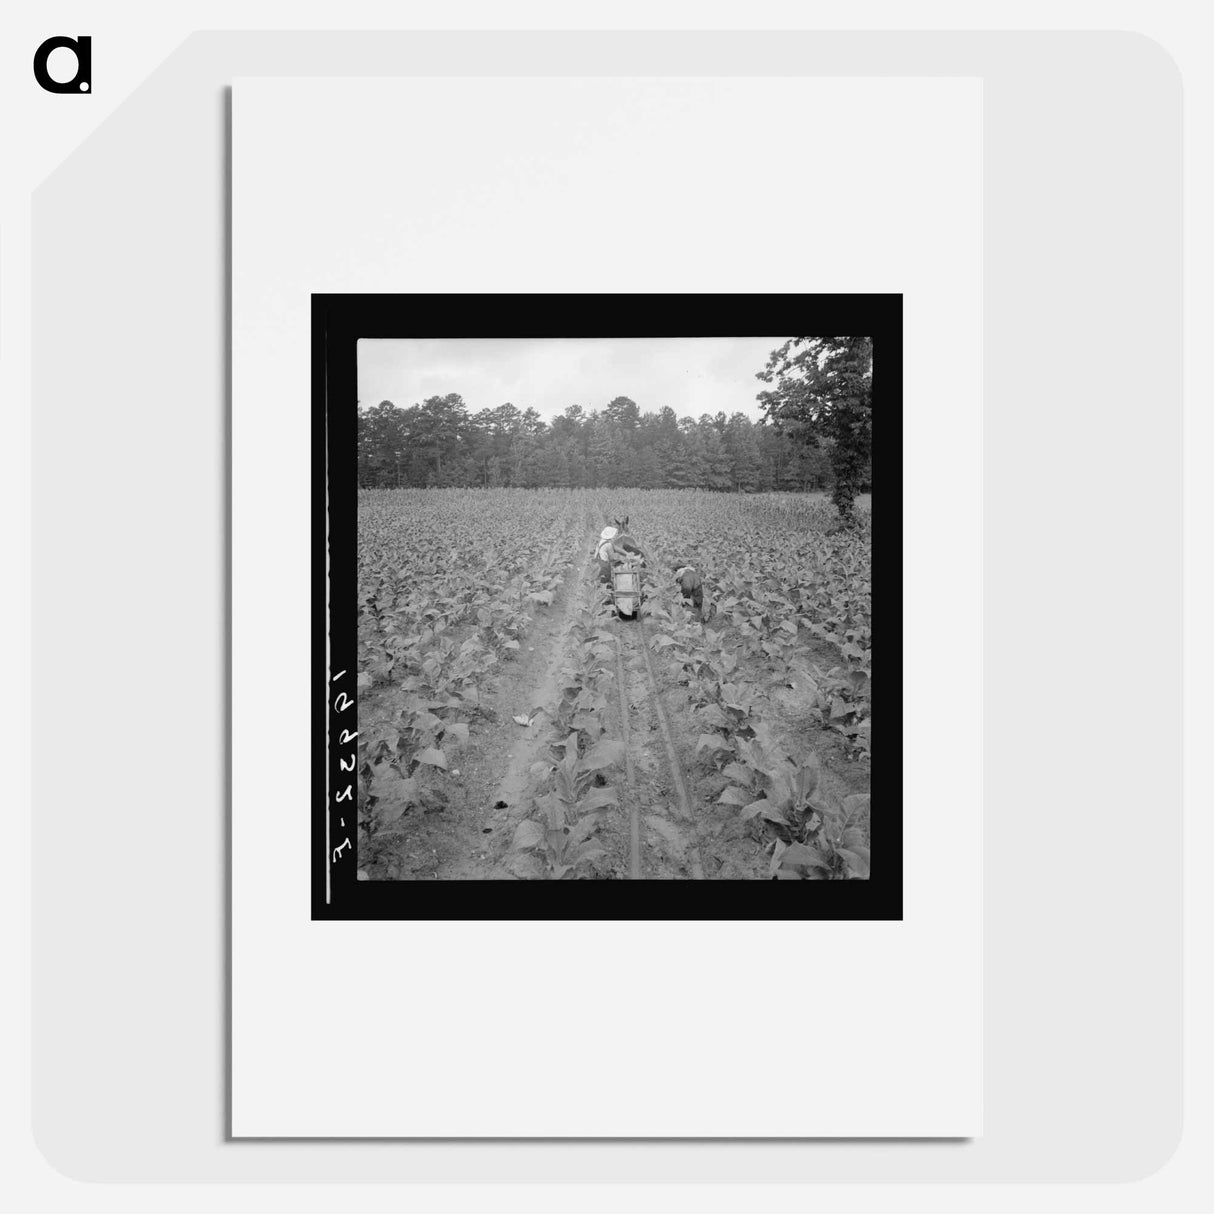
pixel 1082 619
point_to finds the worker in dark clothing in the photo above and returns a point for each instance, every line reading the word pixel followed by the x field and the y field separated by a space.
pixel 691 583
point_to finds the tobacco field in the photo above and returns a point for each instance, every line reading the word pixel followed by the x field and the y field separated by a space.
pixel 511 728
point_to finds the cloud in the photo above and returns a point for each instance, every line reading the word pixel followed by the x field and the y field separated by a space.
pixel 693 375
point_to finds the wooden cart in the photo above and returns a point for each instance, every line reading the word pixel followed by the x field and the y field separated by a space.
pixel 626 589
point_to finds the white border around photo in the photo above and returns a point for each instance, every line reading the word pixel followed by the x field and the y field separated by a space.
pixel 607 1029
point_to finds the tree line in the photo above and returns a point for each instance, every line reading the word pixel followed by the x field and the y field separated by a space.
pixel 816 433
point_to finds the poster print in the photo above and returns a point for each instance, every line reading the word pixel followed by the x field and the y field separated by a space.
pixel 593 603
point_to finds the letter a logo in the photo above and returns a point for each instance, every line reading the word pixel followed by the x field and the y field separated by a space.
pixel 82 48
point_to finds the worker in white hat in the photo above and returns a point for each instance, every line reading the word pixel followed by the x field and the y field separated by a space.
pixel 603 553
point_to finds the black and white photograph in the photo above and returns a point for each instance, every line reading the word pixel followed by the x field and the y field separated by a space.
pixel 601 604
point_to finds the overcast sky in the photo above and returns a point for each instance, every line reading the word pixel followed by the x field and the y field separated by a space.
pixel 693 375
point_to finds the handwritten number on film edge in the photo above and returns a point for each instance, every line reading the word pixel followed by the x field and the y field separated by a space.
pixel 341 703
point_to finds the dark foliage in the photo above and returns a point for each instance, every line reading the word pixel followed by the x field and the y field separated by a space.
pixel 823 397
pixel 440 443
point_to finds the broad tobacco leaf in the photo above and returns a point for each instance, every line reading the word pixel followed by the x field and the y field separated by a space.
pixel 603 753
pixel 856 860
pixel 735 796
pixel 761 806
pixel 800 854
pixel 529 833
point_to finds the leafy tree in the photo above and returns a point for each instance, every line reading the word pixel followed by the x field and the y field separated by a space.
pixel 379 444
pixel 531 422
pixel 716 459
pixel 624 412
pixel 600 452
pixel 438 442
pixel 648 470
pixel 742 444
pixel 562 474
pixel 823 394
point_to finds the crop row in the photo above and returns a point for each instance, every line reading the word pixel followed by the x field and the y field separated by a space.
pixel 446 591
pixel 785 592
pixel 813 835
pixel 573 798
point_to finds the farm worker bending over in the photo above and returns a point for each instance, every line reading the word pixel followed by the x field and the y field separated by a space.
pixel 691 584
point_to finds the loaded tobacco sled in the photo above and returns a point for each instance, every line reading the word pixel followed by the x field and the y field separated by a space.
pixel 621 559
pixel 626 588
